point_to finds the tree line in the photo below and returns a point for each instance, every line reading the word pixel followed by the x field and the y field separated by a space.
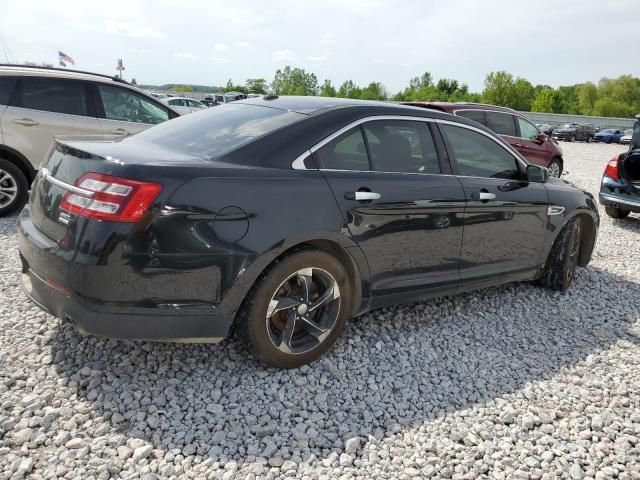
pixel 610 97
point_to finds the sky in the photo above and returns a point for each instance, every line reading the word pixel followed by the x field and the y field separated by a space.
pixel 559 42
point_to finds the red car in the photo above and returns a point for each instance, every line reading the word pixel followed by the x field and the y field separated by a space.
pixel 537 147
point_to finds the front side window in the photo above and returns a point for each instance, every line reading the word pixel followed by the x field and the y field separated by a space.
pixel 401 146
pixel 527 130
pixel 346 152
pixel 54 95
pixel 478 155
pixel 501 123
pixel 6 89
pixel 126 106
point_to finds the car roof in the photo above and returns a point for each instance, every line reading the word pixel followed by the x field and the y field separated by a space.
pixel 311 105
pixel 453 106
pixel 181 98
pixel 10 69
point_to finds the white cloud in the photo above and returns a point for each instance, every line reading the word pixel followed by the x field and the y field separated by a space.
pixel 377 60
pixel 242 44
pixel 317 59
pixel 219 59
pixel 283 55
pixel 327 39
pixel 185 55
pixel 221 47
pixel 131 30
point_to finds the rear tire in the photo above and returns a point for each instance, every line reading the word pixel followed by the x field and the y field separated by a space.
pixel 14 188
pixel 559 270
pixel 285 321
pixel 555 168
pixel 616 212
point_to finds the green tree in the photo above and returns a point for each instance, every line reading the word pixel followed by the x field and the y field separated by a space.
pixel 231 87
pixel 587 97
pixel 568 99
pixel 256 85
pixel 327 89
pixel 545 101
pixel 349 90
pixel 294 81
pixel 498 88
pixel 373 91
pixel 183 88
pixel 522 95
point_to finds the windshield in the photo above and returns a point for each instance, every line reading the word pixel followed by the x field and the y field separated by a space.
pixel 608 130
pixel 628 131
pixel 216 131
pixel 568 125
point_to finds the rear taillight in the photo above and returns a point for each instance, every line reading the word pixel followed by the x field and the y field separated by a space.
pixel 110 198
pixel 612 169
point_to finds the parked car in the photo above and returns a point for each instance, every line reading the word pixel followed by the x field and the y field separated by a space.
pixel 609 135
pixel 620 187
pixel 209 101
pixel 575 131
pixel 184 105
pixel 626 138
pixel 198 216
pixel 546 128
pixel 38 103
pixel 517 130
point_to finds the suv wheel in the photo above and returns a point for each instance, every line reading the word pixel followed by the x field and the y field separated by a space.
pixel 616 212
pixel 555 168
pixel 14 188
pixel 561 264
pixel 298 309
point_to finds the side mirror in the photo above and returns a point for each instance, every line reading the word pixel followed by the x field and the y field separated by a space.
pixel 541 137
pixel 537 174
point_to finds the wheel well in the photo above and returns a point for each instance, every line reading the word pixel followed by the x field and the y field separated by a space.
pixel 332 248
pixel 588 238
pixel 19 161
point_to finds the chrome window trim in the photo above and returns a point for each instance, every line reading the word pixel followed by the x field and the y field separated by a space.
pixel 298 163
pixel 46 175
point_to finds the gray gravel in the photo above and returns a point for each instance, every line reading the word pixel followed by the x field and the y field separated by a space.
pixel 510 382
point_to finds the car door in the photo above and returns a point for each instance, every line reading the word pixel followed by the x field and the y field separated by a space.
pixel 6 90
pixel 122 111
pixel 42 108
pixel 505 219
pixel 399 207
pixel 531 144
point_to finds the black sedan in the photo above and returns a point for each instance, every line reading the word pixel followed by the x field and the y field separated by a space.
pixel 286 216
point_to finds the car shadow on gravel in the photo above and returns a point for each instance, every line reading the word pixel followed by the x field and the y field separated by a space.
pixel 631 223
pixel 391 370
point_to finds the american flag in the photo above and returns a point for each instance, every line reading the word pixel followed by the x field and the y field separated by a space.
pixel 64 59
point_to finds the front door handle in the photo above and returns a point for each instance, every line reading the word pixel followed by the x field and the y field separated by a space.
pixel 27 122
pixel 518 145
pixel 483 196
pixel 362 196
pixel 119 131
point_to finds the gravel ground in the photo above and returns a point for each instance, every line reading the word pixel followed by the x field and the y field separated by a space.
pixel 509 382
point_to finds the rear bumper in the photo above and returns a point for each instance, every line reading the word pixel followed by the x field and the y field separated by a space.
pixel 197 324
pixel 624 202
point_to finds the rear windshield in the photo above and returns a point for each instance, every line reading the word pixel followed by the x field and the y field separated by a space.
pixel 218 130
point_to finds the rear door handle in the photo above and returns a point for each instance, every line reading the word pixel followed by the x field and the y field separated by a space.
pixel 483 196
pixel 119 131
pixel 27 122
pixel 362 196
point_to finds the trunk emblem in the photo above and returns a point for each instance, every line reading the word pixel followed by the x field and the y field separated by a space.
pixel 64 217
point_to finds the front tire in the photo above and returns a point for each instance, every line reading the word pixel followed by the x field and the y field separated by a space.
pixel 555 168
pixel 559 270
pixel 616 212
pixel 297 310
pixel 14 188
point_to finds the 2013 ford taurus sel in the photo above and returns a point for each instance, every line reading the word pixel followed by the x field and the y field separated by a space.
pixel 286 216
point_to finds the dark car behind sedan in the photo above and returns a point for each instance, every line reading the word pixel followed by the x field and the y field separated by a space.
pixel 620 187
pixel 608 135
pixel 285 217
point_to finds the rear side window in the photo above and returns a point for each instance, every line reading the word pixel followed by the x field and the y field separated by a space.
pixel 219 130
pixel 401 146
pixel 346 152
pixel 479 156
pixel 53 95
pixel 475 115
pixel 527 130
pixel 501 123
pixel 127 106
pixel 6 89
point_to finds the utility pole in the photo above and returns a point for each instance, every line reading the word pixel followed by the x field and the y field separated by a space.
pixel 120 67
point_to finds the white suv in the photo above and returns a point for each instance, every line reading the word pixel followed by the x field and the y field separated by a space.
pixel 37 104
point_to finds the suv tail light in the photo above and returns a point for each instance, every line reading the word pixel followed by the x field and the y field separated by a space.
pixel 612 169
pixel 110 198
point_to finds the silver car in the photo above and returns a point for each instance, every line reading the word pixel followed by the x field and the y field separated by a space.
pixel 38 103
pixel 183 105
